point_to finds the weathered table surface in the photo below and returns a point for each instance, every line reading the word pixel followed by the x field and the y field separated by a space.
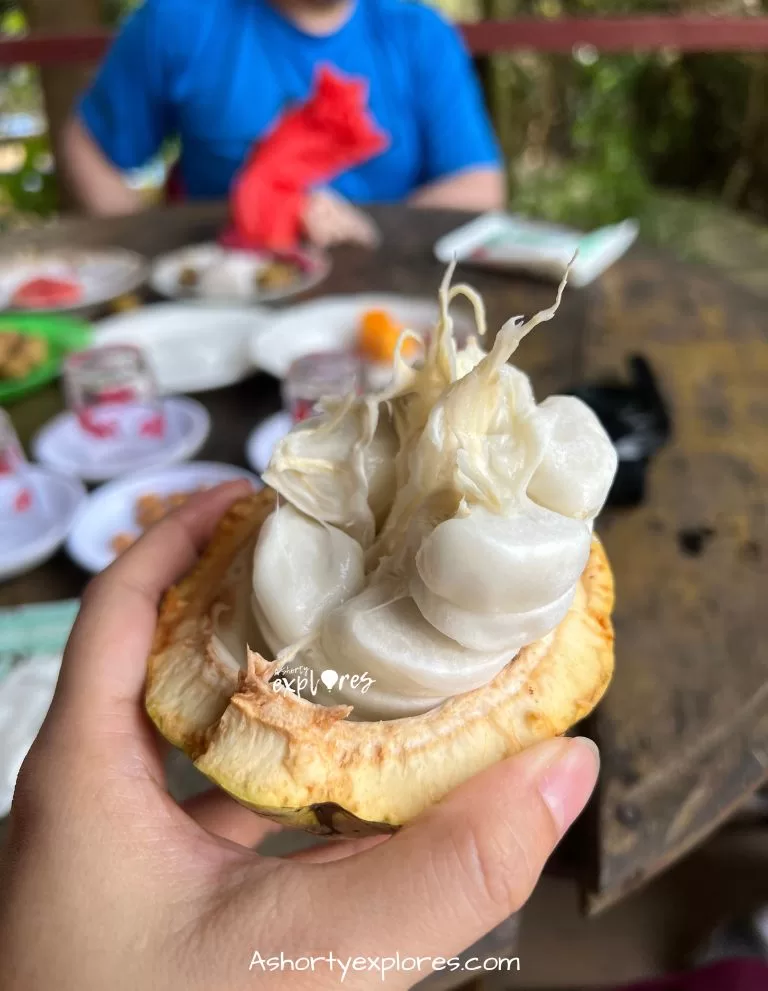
pixel 684 728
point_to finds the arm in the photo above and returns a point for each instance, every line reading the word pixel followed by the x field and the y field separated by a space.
pixel 99 187
pixel 462 164
pixel 476 189
pixel 125 115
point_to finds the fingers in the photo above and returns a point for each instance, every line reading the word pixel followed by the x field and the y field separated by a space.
pixel 470 862
pixel 222 816
pixel 357 227
pixel 318 220
pixel 330 219
pixel 104 665
pixel 364 231
pixel 327 853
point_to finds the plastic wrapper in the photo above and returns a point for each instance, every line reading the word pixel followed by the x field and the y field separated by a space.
pixel 505 242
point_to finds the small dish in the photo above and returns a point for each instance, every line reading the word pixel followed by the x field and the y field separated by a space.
pixel 63 445
pixel 43 505
pixel 213 274
pixel 190 348
pixel 332 324
pixel 111 510
pixel 99 276
pixel 263 439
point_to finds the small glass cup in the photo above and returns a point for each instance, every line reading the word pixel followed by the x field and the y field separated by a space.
pixel 113 393
pixel 15 493
pixel 325 375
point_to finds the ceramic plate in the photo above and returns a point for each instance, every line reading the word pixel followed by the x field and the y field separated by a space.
pixel 62 443
pixel 190 348
pixel 111 510
pixel 222 275
pixel 102 276
pixel 331 324
pixel 37 509
pixel 263 438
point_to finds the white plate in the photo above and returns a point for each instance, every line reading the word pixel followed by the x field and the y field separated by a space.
pixel 190 348
pixel 104 275
pixel 111 510
pixel 30 535
pixel 331 324
pixel 263 438
pixel 63 445
pixel 243 268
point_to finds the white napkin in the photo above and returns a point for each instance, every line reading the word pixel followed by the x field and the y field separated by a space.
pixel 32 641
pixel 25 696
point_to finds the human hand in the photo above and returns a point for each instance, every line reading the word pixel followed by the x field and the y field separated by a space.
pixel 330 219
pixel 108 883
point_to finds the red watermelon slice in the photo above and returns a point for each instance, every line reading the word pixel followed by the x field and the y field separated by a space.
pixel 47 293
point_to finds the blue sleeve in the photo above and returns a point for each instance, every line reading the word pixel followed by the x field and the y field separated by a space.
pixel 457 133
pixel 127 109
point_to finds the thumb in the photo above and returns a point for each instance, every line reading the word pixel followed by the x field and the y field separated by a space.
pixel 467 864
pixel 104 667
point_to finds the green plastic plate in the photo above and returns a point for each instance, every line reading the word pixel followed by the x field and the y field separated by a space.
pixel 63 335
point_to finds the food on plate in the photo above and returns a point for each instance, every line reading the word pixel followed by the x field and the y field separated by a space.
pixel 379 334
pixel 177 499
pixel 238 274
pixel 229 277
pixel 189 277
pixel 125 303
pixel 20 354
pixel 122 541
pixel 47 293
pixel 277 275
pixel 150 508
pixel 9 340
pixel 418 594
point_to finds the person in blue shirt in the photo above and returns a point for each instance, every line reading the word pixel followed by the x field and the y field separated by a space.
pixel 218 74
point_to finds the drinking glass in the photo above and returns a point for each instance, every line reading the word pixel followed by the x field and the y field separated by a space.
pixel 326 375
pixel 113 393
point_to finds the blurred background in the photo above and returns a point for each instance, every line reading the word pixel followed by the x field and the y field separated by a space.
pixel 678 140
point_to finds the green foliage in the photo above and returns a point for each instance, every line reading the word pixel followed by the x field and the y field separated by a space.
pixel 598 177
pixel 32 189
pixel 114 10
pixel 589 136
pixel 29 192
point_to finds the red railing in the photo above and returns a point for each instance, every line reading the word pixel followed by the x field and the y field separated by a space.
pixel 615 34
pixel 620 34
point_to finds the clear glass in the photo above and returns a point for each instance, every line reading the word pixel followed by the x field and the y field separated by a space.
pixel 326 375
pixel 113 393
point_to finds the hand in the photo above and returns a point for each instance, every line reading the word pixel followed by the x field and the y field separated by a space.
pixel 330 219
pixel 107 883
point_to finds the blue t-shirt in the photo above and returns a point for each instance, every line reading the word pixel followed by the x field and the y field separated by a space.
pixel 217 73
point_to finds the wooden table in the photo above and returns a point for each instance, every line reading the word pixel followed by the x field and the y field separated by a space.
pixel 684 728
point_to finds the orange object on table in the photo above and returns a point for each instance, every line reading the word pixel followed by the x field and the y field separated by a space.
pixel 308 147
pixel 378 336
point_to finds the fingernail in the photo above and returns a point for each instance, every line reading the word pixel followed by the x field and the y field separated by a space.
pixel 568 781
